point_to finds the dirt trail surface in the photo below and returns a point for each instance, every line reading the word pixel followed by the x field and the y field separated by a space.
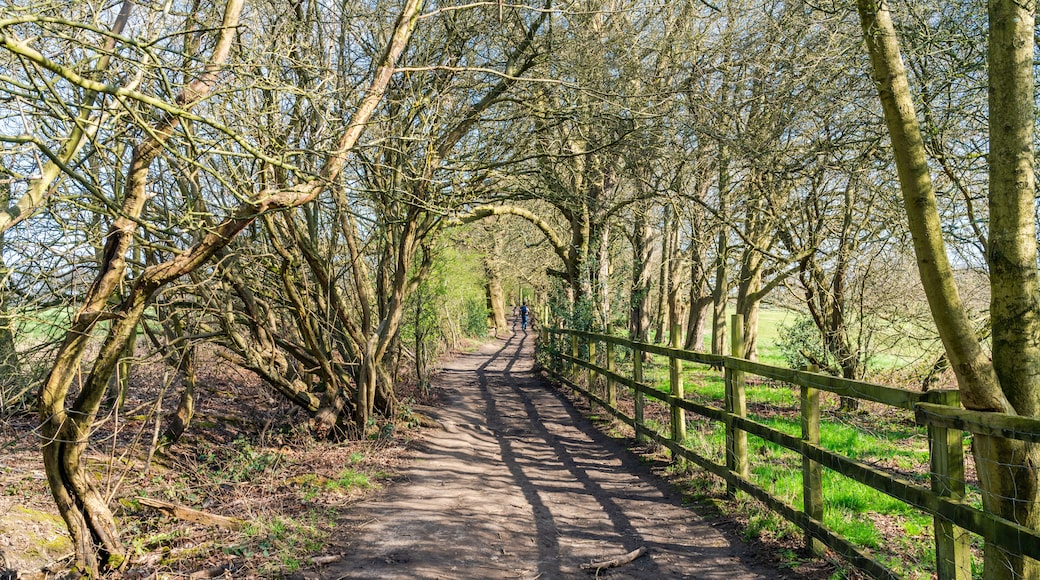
pixel 519 485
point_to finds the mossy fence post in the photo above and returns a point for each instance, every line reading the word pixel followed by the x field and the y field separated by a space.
pixel 574 368
pixel 675 378
pixel 736 404
pixel 590 377
pixel 556 340
pixel 952 555
pixel 611 386
pixel 812 472
pixel 640 398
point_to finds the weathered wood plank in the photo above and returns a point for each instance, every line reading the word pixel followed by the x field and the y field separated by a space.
pixel 896 397
pixel 812 472
pixel 685 355
pixel 857 557
pixel 952 544
pixel 993 424
pixel 640 398
pixel 675 380
pixel 943 501
pixel 736 405
pixel 590 378
pixel 902 398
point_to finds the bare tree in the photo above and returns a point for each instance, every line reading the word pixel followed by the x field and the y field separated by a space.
pixel 160 124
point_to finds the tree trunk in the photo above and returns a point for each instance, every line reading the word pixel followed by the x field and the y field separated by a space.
pixel 185 412
pixel 11 379
pixel 639 295
pixel 119 386
pixel 1014 309
pixel 66 433
pixel 720 292
pixel 1010 482
pixel 496 302
pixel 401 282
pixel 719 295
pixel 749 299
pixel 660 316
pixel 496 298
pixel 87 517
pixel 976 376
pixel 603 279
pixel 700 300
pixel 1006 468
pixel 674 286
pixel 695 323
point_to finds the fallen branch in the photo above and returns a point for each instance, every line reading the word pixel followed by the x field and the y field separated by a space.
pixel 323 560
pixel 614 563
pixel 216 571
pixel 192 515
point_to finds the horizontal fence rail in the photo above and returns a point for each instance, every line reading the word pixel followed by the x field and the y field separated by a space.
pixel 572 361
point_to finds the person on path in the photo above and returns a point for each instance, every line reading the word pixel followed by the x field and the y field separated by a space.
pixel 524 312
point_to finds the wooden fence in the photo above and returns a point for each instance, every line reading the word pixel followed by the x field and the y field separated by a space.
pixel 574 353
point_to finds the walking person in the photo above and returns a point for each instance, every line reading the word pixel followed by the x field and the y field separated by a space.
pixel 524 312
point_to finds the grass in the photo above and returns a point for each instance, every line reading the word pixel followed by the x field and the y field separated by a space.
pixel 285 541
pixel 893 347
pixel 279 539
pixel 857 512
pixel 770 323
pixel 895 533
pixel 348 479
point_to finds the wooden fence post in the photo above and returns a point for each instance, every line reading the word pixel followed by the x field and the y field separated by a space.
pixel 952 555
pixel 812 473
pixel 550 342
pixel 611 387
pixel 675 378
pixel 590 377
pixel 557 338
pixel 640 398
pixel 736 404
pixel 573 370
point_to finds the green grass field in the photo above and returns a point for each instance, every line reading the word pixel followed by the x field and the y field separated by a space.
pixel 770 323
pixel 885 438
pixel 893 532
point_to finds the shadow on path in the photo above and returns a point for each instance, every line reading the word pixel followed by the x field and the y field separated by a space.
pixel 519 485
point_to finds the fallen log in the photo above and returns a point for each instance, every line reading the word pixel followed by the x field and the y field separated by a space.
pixel 192 515
pixel 216 571
pixel 596 566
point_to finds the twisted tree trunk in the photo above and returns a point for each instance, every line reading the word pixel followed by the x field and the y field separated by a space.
pixel 66 432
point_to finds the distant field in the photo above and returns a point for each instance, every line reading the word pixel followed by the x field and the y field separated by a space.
pixel 770 322
pixel 892 349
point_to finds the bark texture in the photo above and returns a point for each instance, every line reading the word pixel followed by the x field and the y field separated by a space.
pixel 66 432
pixel 1007 469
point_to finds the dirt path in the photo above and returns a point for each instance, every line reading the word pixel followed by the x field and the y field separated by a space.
pixel 519 485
